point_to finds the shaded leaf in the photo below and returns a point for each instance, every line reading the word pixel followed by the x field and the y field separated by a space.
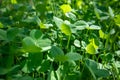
pixel 61 58
pixel 92 64
pixel 29 45
pixel 55 51
pixel 3 71
pixel 25 78
pixel 45 65
pixel 12 33
pixel 74 56
pixel 3 35
pixel 35 34
pixel 101 73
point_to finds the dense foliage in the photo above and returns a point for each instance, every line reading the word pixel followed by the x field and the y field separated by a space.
pixel 59 40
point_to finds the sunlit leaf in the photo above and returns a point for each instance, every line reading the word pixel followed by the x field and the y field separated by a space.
pixel 14 1
pixel 111 12
pixel 1 25
pixel 81 25
pixel 95 27
pixel 42 26
pixel 79 3
pixel 66 8
pixel 102 34
pixel 52 76
pixel 65 29
pixel 58 21
pixel 92 41
pixel 91 48
pixel 117 20
pixel 71 16
pixel 77 43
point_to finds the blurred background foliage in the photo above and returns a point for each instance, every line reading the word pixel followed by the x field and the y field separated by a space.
pixel 59 40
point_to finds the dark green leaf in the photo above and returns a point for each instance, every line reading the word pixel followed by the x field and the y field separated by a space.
pixel 56 51
pixel 3 71
pixel 3 35
pixel 35 34
pixel 102 73
pixel 12 33
pixel 45 66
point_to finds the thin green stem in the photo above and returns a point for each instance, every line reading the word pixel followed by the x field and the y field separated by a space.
pixel 68 42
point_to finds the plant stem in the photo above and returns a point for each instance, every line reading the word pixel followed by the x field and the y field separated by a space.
pixel 68 42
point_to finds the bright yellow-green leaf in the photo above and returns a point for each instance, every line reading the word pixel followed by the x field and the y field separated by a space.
pixel 14 1
pixel 92 41
pixel 66 8
pixel 65 29
pixel 102 34
pixel 79 3
pixel 117 20
pixel 42 26
pixel 1 25
pixel 91 47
